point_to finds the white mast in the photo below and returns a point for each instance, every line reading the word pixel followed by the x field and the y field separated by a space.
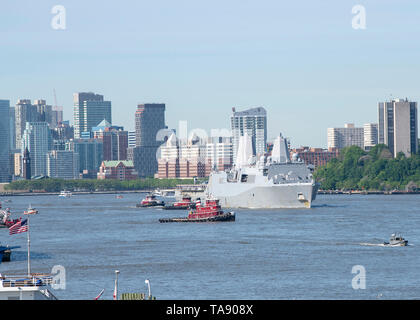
pixel 244 151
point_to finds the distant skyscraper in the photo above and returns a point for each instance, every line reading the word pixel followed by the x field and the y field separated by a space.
pixel 90 153
pixel 345 137
pixel 12 129
pixel 398 127
pixel 89 110
pixel 44 111
pixel 63 164
pixel 37 139
pixel 56 116
pixel 149 120
pixel 24 112
pixel 114 139
pixel 5 174
pixel 254 123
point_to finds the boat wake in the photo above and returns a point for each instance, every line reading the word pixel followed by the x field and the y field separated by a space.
pixel 380 245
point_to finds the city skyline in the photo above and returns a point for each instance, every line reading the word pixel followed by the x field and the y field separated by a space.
pixel 202 61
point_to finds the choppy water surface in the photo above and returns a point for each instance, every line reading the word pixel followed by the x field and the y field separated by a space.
pixel 264 254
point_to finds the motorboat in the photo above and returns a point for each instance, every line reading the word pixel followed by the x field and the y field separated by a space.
pixel 30 210
pixel 396 240
pixel 65 194
pixel 6 252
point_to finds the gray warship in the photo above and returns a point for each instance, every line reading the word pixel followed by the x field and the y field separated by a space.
pixel 274 182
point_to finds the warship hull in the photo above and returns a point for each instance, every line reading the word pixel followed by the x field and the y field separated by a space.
pixel 261 195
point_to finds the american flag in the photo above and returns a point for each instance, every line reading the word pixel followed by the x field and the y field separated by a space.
pixel 19 227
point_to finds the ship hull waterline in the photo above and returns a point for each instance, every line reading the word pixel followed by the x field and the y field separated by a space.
pixel 283 196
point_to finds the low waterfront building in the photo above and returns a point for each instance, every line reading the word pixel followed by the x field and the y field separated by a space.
pixel 315 156
pixel 120 170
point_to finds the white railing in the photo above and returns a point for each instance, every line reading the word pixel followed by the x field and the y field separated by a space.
pixel 36 280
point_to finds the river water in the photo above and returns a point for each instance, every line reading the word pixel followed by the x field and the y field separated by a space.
pixel 264 254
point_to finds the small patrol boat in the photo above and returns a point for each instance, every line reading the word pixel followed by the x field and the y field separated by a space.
pixel 396 240
pixel 30 210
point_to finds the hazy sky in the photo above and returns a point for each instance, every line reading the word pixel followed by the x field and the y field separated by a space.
pixel 301 60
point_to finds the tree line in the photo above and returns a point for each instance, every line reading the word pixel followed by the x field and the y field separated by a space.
pixel 57 185
pixel 376 170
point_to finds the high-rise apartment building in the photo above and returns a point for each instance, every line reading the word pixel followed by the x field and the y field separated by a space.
pixel 370 135
pixel 37 139
pixel 89 110
pixel 149 120
pixel 254 123
pixel 63 164
pixel 5 174
pixel 345 137
pixel 114 139
pixel 398 127
pixel 220 153
pixel 90 153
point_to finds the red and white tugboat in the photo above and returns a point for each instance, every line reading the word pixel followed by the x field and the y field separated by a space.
pixel 184 204
pixel 150 201
pixel 209 212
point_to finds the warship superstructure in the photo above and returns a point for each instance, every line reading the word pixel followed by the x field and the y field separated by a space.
pixel 277 181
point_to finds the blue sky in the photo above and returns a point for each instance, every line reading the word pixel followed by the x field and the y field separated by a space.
pixel 301 60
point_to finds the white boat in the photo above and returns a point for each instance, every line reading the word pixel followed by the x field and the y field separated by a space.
pixel 396 240
pixel 33 287
pixel 30 210
pixel 65 194
pixel 157 193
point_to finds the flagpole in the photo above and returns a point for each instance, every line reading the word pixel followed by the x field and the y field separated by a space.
pixel 29 250
pixel 116 285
